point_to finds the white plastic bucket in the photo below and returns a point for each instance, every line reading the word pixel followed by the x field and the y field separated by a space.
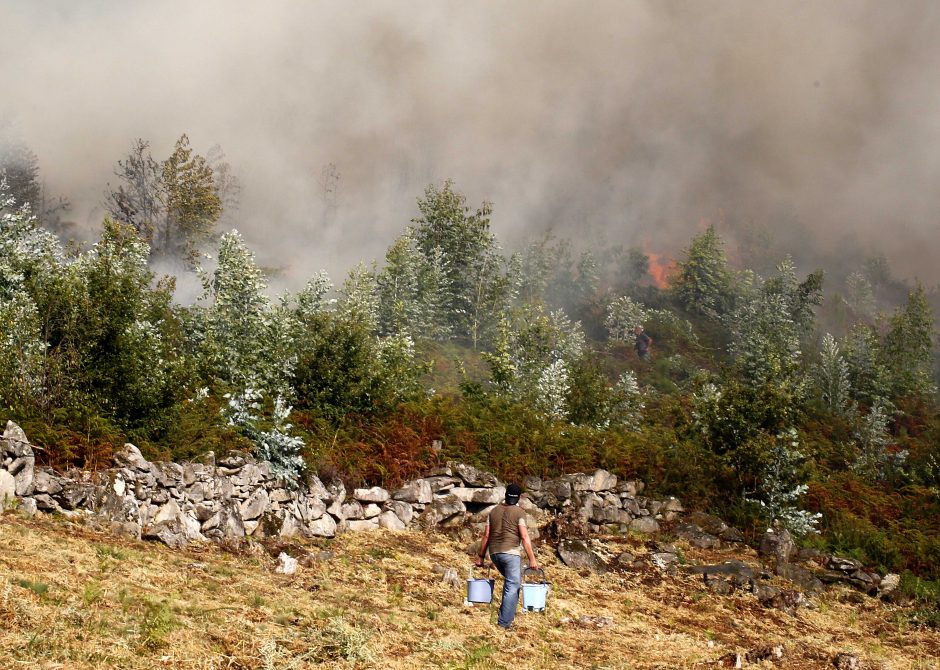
pixel 535 595
pixel 480 590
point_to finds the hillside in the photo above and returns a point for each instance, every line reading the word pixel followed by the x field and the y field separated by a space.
pixel 76 598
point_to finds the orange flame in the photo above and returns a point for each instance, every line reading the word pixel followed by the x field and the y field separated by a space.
pixel 661 269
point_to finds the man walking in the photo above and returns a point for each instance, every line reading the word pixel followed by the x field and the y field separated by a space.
pixel 642 344
pixel 506 537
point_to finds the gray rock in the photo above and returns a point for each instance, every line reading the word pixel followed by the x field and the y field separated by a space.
pixel 352 511
pixel 46 503
pixel 441 483
pixel 845 661
pixel 663 559
pixel 7 489
pixel 777 545
pixel 390 521
pixel 255 506
pixel 608 514
pixel 280 495
pixel 130 457
pixel 46 481
pixel 800 576
pixel 889 584
pixel 531 483
pixel 375 494
pixel 848 565
pixel 740 572
pixel 15 447
pixel 576 554
pixel 309 509
pixel 28 507
pixel 672 505
pixel 418 491
pixel 402 510
pixel 316 487
pixel 172 533
pixel 325 526
pixel 697 537
pixel 644 524
pixel 226 524
pixel 602 480
pixel 363 524
pixel 625 560
pixel 371 511
pixel 442 510
pixel 474 477
pixel 558 488
pixel 480 496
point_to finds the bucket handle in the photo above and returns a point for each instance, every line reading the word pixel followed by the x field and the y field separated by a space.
pixel 488 567
pixel 537 571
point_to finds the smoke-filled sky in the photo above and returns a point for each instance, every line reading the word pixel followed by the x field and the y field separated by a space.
pixel 638 118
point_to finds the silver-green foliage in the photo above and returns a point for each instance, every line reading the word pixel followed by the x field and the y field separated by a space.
pixel 872 442
pixel 623 315
pixel 531 357
pixel 778 496
pixel 832 377
pixel 272 439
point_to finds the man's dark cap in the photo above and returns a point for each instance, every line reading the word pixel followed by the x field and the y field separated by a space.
pixel 513 491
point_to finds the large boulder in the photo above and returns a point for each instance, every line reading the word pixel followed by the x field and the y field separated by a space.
pixel 578 555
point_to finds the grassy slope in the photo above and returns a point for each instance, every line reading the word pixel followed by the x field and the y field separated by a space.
pixel 71 597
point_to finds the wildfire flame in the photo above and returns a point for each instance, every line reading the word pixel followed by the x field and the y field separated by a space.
pixel 661 269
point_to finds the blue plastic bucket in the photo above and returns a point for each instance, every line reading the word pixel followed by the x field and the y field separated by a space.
pixel 535 595
pixel 480 590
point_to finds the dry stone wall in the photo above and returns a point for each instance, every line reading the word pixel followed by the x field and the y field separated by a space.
pixel 238 496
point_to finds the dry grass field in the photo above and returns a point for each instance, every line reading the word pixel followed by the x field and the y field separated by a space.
pixel 74 598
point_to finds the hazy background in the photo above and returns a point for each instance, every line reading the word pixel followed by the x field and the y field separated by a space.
pixel 819 122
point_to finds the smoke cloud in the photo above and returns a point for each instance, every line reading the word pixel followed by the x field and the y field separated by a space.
pixel 819 122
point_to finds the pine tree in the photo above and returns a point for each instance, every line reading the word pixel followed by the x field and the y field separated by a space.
pixel 908 347
pixel 703 282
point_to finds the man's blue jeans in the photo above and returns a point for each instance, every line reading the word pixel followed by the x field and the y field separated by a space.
pixel 510 567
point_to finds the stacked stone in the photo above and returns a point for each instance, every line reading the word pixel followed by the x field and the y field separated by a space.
pixel 240 497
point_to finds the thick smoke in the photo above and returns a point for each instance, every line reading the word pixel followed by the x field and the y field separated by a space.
pixel 634 120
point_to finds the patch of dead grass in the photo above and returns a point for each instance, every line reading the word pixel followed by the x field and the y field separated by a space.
pixel 117 603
